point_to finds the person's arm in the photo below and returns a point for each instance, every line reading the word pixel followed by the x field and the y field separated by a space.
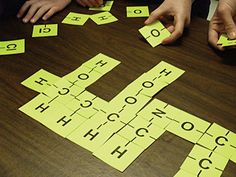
pixel 175 14
pixel 223 21
pixel 90 3
pixel 32 10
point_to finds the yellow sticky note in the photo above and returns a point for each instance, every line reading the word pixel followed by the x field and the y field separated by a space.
pixel 63 91
pixel 41 108
pixel 156 112
pixel 86 104
pixel 137 11
pixel 75 19
pixel 141 132
pixel 40 80
pixel 165 72
pixel 118 152
pixel 92 134
pixel 105 7
pixel 147 85
pixel 182 173
pixel 223 38
pixel 129 101
pixel 45 30
pixel 12 47
pixel 233 157
pixel 65 122
pixel 219 140
pixel 154 33
pixel 83 76
pixel 186 126
pixel 103 18
pixel 229 42
pixel 203 162
pixel 102 63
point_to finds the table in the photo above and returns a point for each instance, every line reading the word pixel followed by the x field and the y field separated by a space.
pixel 207 90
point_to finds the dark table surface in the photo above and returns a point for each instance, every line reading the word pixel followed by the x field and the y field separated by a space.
pixel 207 89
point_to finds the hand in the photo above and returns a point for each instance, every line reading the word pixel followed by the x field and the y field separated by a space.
pixel 90 3
pixel 175 14
pixel 223 21
pixel 35 9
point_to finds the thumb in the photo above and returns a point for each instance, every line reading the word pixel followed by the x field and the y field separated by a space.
pixel 229 24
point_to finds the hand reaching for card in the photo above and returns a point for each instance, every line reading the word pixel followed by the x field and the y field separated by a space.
pixel 32 10
pixel 223 21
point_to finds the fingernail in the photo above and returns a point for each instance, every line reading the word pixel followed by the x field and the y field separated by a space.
pixel 32 20
pixel 25 20
pixel 232 35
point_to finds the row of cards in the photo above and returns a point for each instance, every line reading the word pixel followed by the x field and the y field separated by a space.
pixel 118 131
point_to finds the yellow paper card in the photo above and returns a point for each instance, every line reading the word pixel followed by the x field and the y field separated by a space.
pixel 83 76
pixel 182 173
pixel 86 104
pixel 137 11
pixel 229 42
pixel 219 140
pixel 156 112
pixel 45 30
pixel 92 134
pixel 154 33
pixel 64 123
pixel 102 63
pixel 141 132
pixel 203 162
pixel 147 85
pixel 129 101
pixel 165 72
pixel 118 152
pixel 103 18
pixel 12 47
pixel 223 38
pixel 40 80
pixel 105 7
pixel 233 157
pixel 41 108
pixel 75 19
pixel 62 95
pixel 186 126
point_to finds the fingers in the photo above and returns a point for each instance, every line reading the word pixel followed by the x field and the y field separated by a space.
pixel 178 30
pixel 155 15
pixel 24 8
pixel 40 13
pixel 33 9
pixel 226 15
pixel 213 37
pixel 50 13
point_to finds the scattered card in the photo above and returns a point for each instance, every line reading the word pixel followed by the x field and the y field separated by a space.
pixel 137 11
pixel 103 18
pixel 75 19
pixel 12 47
pixel 154 33
pixel 45 30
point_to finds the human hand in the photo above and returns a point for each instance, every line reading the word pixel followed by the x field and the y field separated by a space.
pixel 35 9
pixel 175 15
pixel 223 21
pixel 90 3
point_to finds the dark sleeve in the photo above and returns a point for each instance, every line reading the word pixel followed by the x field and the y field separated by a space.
pixel 10 7
pixel 200 8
